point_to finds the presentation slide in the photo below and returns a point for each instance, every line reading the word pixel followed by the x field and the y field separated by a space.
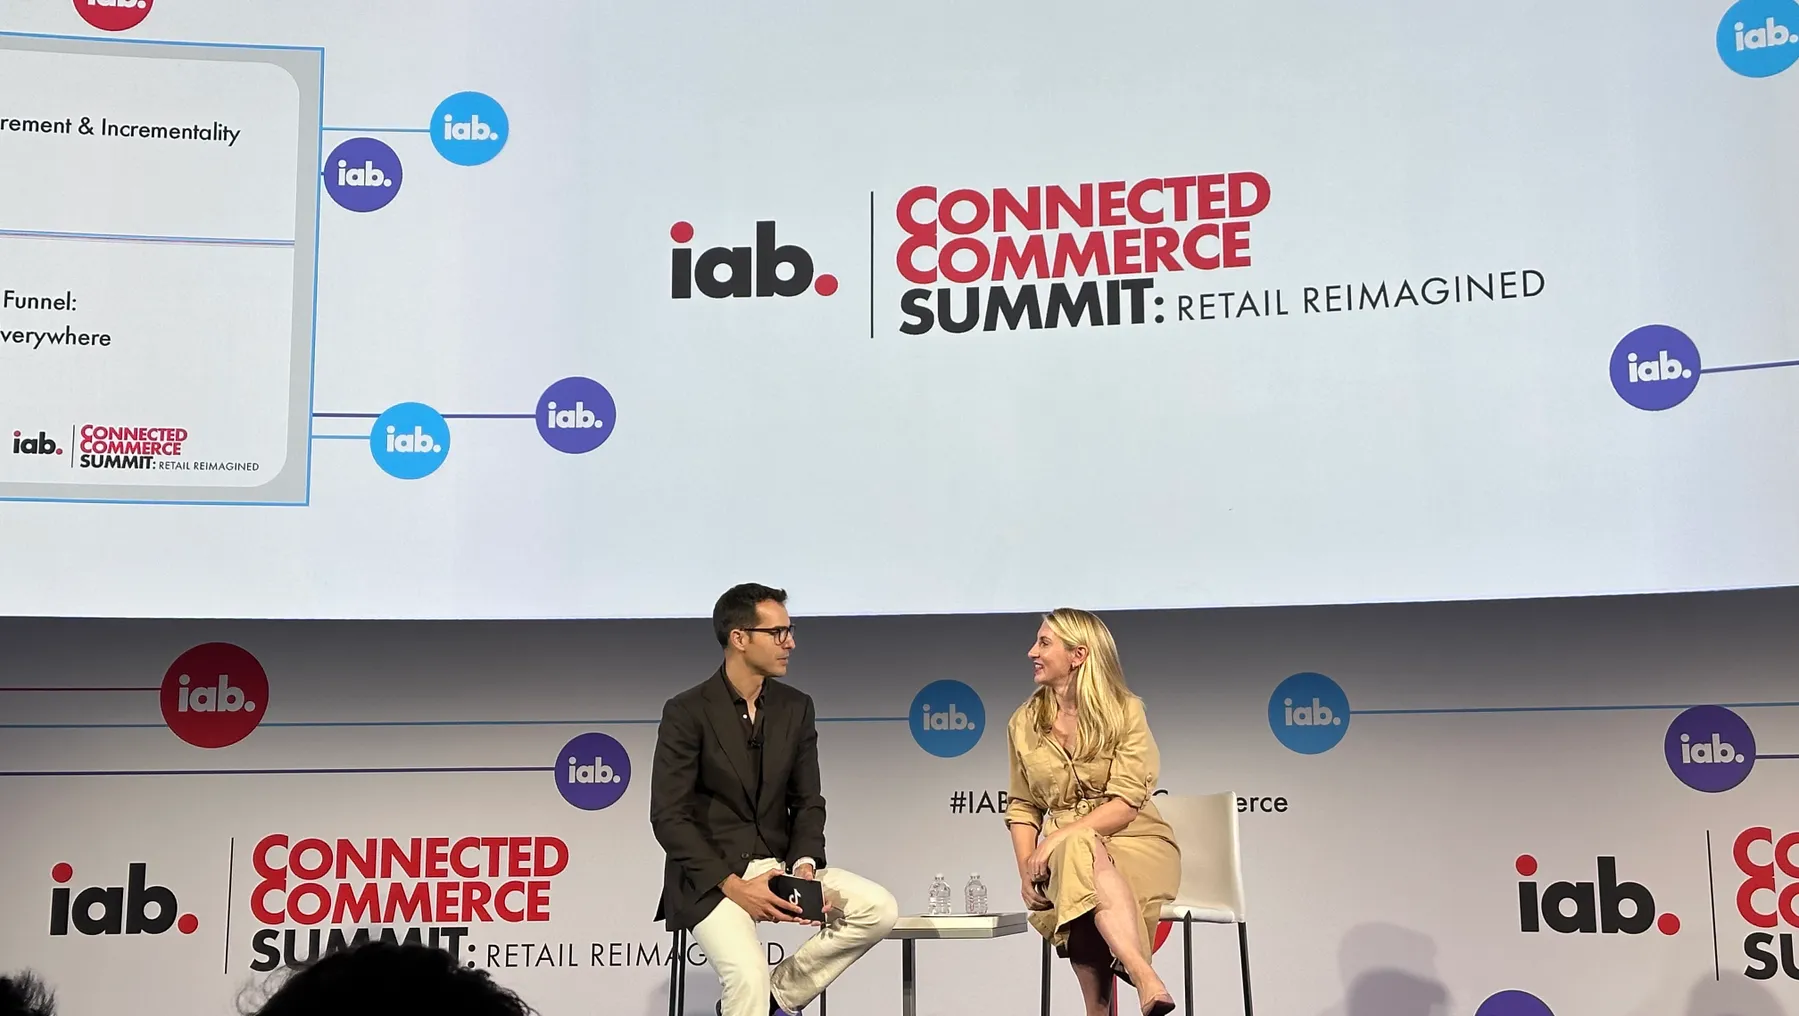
pixel 155 289
pixel 555 310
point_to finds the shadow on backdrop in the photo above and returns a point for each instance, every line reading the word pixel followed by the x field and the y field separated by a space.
pixel 1389 971
pixel 1732 996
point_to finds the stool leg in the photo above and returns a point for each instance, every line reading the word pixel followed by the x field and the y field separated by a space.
pixel 676 964
pixel 1044 993
pixel 1243 951
pixel 1187 956
pixel 823 1006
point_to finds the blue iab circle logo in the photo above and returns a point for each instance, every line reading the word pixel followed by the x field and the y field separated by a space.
pixel 1309 713
pixel 469 128
pixel 1759 38
pixel 410 441
pixel 947 718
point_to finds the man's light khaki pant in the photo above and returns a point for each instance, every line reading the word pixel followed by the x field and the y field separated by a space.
pixel 864 915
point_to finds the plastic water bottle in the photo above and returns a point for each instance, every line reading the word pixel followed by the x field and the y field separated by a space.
pixel 939 897
pixel 975 895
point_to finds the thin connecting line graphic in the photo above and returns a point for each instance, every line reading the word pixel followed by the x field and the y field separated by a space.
pixel 376 130
pixel 71 688
pixel 413 723
pixel 196 241
pixel 1749 366
pixel 447 416
pixel 340 771
pixel 375 416
pixel 1571 709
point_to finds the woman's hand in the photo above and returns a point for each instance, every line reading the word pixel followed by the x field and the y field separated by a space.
pixel 1036 866
pixel 1033 899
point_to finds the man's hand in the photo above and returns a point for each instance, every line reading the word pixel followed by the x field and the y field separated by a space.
pixel 759 901
pixel 833 902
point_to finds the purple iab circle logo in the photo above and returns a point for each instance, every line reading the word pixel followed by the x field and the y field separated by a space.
pixel 1710 748
pixel 592 771
pixel 1513 1003
pixel 1655 367
pixel 362 174
pixel 576 415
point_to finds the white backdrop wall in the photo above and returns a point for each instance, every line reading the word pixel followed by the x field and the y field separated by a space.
pixel 1478 733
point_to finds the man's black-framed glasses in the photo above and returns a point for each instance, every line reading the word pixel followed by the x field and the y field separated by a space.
pixel 782 634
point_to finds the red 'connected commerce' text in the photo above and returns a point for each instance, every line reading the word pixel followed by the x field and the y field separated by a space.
pixel 1159 224
pixel 424 879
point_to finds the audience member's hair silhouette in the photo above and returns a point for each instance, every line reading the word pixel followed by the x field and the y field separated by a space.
pixel 25 995
pixel 385 979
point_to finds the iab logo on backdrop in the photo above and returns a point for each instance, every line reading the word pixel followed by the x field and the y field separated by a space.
pixel 115 910
pixel 1586 907
pixel 214 695
pixel 1759 38
pixel 1308 713
pixel 947 718
pixel 592 771
pixel 1709 748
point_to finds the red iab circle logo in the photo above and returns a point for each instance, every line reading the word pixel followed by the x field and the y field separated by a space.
pixel 214 694
pixel 113 15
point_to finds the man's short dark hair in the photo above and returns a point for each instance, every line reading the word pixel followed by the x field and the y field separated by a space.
pixel 25 995
pixel 737 608
pixel 380 978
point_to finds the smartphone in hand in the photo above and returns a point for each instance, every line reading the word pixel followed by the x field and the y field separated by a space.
pixel 809 894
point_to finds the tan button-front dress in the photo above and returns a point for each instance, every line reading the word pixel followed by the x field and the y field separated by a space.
pixel 1050 790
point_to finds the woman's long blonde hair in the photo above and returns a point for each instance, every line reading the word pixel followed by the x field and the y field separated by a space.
pixel 1099 689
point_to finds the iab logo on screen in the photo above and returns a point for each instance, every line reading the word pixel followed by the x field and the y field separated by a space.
pixel 113 15
pixel 410 441
pixel 1655 367
pixel 1760 38
pixel 576 415
pixel 362 174
pixel 469 128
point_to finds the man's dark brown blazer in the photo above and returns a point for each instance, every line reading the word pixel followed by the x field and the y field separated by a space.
pixel 703 808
